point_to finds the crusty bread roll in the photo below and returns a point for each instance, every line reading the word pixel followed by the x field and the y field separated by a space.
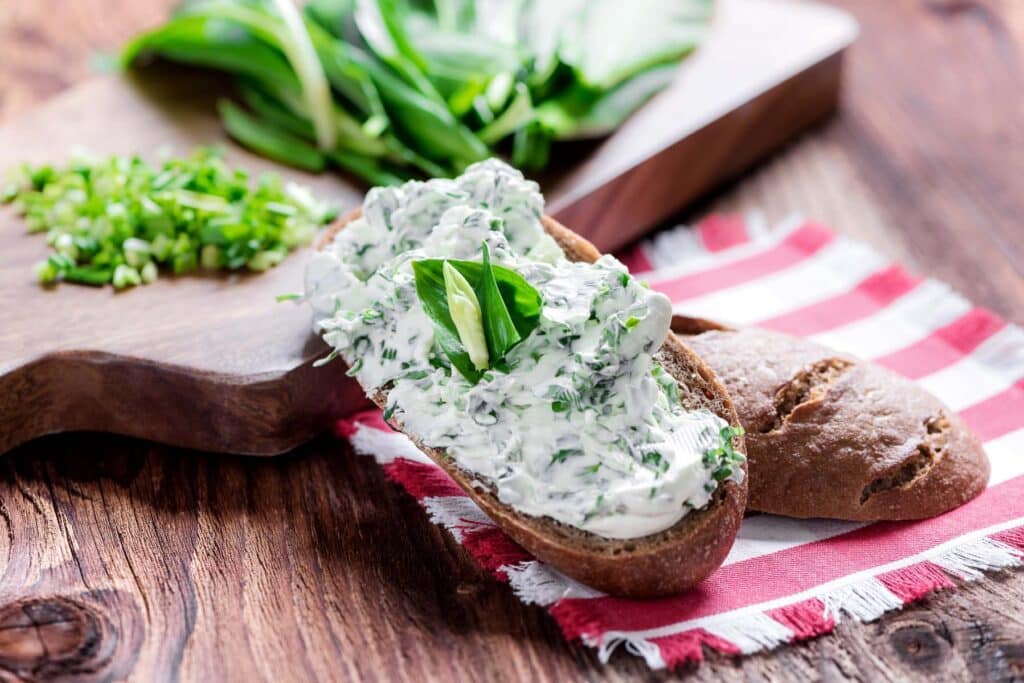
pixel 832 436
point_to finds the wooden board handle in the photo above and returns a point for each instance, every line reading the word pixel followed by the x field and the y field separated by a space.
pixel 259 415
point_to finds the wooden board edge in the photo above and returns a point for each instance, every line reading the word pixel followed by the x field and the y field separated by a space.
pixel 94 391
pixel 654 189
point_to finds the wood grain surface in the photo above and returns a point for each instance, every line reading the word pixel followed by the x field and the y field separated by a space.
pixel 127 560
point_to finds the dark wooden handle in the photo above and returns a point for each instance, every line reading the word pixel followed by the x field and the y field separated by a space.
pixel 261 414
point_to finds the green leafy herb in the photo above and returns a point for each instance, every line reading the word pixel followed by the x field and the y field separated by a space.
pixel 563 454
pixel 355 368
pixel 480 311
pixel 117 220
pixel 667 383
pixel 499 327
pixel 598 502
pixel 464 308
pixel 269 141
pixel 432 293
pixel 387 89
pixel 725 459
pixel 298 48
pixel 521 299
pixel 615 40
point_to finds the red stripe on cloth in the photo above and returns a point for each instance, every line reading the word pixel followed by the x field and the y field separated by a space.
pixel 491 548
pixel 916 581
pixel 345 428
pixel 870 296
pixel 422 480
pixel 575 620
pixel 371 418
pixel 1014 537
pixel 686 647
pixel 945 345
pixel 635 259
pixel 723 231
pixel 796 247
pixel 997 415
pixel 802 567
pixel 806 619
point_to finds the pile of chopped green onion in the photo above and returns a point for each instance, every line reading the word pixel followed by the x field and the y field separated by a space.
pixel 118 220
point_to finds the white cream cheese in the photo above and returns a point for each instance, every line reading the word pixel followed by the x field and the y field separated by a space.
pixel 579 424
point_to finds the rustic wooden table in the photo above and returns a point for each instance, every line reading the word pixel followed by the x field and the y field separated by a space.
pixel 123 559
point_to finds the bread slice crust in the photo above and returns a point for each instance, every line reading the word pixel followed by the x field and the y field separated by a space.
pixel 660 564
pixel 832 436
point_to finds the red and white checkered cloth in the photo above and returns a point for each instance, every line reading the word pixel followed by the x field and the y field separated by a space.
pixel 786 579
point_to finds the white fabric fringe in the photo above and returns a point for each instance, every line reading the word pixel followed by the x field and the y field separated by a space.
pixel 862 600
pixel 865 600
pixel 535 583
pixel 969 561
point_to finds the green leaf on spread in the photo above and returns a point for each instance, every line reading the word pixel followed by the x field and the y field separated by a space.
pixel 431 290
pixel 499 328
pixel 464 308
pixel 509 308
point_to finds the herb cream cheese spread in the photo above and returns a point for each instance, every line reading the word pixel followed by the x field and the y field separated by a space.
pixel 577 422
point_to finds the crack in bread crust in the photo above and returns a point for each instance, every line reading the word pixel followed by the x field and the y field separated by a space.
pixel 918 464
pixel 809 385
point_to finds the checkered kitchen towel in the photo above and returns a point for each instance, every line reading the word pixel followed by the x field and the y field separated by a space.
pixel 786 579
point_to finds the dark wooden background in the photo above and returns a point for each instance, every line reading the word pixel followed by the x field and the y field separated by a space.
pixel 123 559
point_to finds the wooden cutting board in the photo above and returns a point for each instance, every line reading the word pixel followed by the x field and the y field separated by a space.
pixel 214 363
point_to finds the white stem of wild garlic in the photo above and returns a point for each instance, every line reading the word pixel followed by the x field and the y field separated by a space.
pixel 316 90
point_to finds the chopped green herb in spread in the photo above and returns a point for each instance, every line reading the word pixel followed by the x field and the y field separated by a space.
pixel 570 416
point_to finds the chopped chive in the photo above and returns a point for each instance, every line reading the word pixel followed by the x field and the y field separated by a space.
pixel 355 368
pixel 122 218
pixel 563 454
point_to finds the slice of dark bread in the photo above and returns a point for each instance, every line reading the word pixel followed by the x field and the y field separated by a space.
pixel 660 564
pixel 829 435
